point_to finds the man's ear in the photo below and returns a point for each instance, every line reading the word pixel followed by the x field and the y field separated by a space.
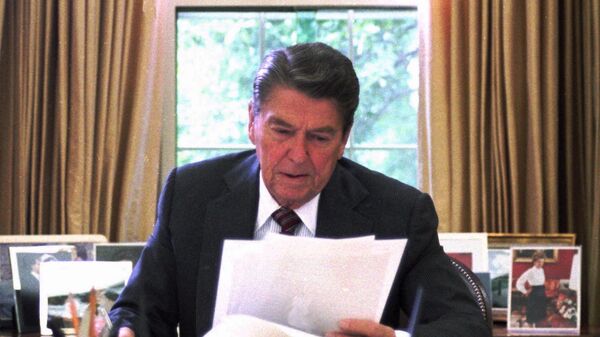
pixel 251 121
pixel 345 137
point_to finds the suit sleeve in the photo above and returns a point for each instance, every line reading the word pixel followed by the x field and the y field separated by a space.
pixel 448 308
pixel 148 304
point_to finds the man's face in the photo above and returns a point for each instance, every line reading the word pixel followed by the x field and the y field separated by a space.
pixel 298 142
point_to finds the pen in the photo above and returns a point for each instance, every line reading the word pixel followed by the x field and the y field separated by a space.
pixel 92 326
pixel 416 311
pixel 74 314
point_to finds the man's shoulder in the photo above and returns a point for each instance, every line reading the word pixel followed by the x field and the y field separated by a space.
pixel 219 165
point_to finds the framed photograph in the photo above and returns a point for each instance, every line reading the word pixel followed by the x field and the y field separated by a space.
pixel 25 266
pixel 469 248
pixel 499 259
pixel 65 289
pixel 544 298
pixel 130 251
pixel 499 265
pixel 507 240
pixel 84 247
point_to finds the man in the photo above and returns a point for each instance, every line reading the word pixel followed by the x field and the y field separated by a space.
pixel 300 118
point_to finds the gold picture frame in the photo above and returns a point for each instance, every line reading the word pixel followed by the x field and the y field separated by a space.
pixel 506 240
pixel 503 241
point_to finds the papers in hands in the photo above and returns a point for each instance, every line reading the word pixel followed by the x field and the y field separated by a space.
pixel 248 326
pixel 308 284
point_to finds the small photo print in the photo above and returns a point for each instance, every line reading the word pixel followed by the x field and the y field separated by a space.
pixel 65 289
pixel 130 251
pixel 545 296
pixel 500 262
pixel 25 264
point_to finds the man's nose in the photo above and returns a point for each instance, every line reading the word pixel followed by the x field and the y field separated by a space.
pixel 298 151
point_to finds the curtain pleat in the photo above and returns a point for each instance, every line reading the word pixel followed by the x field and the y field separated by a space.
pixel 2 6
pixel 580 128
pixel 84 99
pixel 509 120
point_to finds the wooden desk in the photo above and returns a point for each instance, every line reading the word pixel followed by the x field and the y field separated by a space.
pixel 500 331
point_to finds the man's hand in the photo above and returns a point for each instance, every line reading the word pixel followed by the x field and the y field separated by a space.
pixel 126 332
pixel 360 327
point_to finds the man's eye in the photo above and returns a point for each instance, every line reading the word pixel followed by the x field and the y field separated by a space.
pixel 282 131
pixel 320 138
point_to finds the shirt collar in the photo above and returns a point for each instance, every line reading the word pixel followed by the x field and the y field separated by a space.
pixel 267 205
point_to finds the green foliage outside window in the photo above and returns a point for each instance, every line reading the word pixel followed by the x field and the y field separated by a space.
pixel 219 52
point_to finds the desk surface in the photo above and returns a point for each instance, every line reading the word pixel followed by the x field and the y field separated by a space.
pixel 499 331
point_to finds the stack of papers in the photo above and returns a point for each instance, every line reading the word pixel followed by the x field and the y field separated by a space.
pixel 307 284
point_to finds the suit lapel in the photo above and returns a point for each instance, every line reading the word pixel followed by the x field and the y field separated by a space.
pixel 230 216
pixel 338 216
pixel 233 215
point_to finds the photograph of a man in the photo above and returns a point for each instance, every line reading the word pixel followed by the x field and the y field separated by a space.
pixel 26 281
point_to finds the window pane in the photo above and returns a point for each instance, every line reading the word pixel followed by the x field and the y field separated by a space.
pixel 397 163
pixel 386 59
pixel 285 29
pixel 280 30
pixel 219 52
pixel 215 63
pixel 190 156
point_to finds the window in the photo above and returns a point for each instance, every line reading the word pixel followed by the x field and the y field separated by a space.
pixel 219 51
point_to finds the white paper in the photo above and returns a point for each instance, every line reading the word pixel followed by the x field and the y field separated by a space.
pixel 248 326
pixel 307 283
pixel 59 279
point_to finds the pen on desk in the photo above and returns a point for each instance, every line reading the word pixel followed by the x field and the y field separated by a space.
pixel 92 326
pixel 416 311
pixel 74 314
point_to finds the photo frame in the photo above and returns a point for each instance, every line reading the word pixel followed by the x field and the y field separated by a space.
pixel 83 244
pixel 499 261
pixel 122 251
pixel 25 265
pixel 499 266
pixel 507 240
pixel 65 288
pixel 544 299
pixel 468 248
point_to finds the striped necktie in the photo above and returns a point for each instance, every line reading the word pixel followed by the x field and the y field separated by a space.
pixel 287 219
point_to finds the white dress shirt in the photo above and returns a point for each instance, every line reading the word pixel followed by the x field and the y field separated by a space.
pixel 267 205
pixel 534 276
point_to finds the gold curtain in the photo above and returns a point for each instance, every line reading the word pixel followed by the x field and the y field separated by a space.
pixel 81 117
pixel 510 120
pixel 1 22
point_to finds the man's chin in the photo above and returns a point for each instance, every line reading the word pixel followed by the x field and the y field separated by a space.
pixel 293 200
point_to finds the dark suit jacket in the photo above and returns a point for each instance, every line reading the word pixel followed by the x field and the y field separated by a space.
pixel 203 204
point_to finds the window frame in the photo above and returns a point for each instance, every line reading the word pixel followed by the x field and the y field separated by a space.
pixel 169 130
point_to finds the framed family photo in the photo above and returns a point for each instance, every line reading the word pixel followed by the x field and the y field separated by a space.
pixel 545 290
pixel 499 258
pixel 25 265
pixel 83 245
pixel 123 251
